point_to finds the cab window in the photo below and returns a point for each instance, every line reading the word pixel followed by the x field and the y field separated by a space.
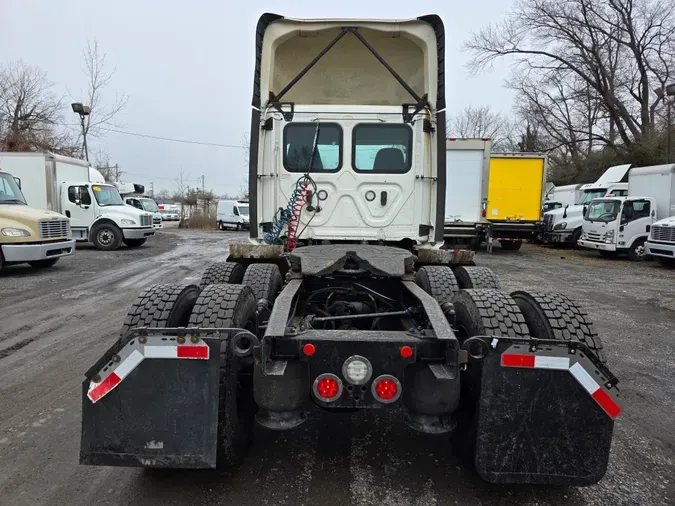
pixel 618 193
pixel 80 193
pixel 382 148
pixel 635 210
pixel 299 147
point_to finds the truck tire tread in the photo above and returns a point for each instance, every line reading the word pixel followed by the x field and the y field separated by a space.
pixel 556 316
pixel 489 312
pixel 476 277
pixel 264 279
pixel 222 272
pixel 162 306
pixel 223 306
pixel 438 281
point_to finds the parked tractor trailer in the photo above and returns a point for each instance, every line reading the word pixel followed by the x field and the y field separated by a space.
pixel 344 297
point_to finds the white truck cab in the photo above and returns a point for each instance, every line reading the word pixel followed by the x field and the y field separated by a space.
pixel 623 225
pixel 133 196
pixel 369 136
pixel 232 214
pixel 71 187
pixel 563 225
pixel 618 225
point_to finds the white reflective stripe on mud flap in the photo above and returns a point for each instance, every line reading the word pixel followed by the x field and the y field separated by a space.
pixel 160 351
pixel 585 379
pixel 560 363
pixel 129 364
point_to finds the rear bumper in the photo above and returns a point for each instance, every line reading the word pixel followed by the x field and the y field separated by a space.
pixel 660 249
pixel 600 246
pixel 464 229
pixel 560 236
pixel 516 229
pixel 34 252
pixel 138 233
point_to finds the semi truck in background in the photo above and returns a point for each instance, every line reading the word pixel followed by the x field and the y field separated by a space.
pixel 515 200
pixel 71 187
pixel 622 225
pixel 467 171
pixel 561 196
pixel 38 237
pixel 563 226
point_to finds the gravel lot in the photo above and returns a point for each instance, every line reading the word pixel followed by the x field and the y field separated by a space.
pixel 54 324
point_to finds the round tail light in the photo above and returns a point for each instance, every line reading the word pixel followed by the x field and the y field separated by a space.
pixel 386 389
pixel 327 387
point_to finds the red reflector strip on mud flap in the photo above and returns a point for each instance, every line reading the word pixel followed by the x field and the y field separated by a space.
pixel 572 364
pixel 134 353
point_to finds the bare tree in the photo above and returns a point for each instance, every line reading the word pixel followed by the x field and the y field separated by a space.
pixel 99 77
pixel 607 56
pixel 30 112
pixel 482 122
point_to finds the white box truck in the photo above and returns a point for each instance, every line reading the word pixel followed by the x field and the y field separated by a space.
pixel 71 187
pixel 622 224
pixel 133 195
pixel 563 226
pixel 466 186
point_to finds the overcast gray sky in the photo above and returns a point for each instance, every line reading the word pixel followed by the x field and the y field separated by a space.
pixel 187 68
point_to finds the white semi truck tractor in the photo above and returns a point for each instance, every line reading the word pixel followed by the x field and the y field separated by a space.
pixel 343 297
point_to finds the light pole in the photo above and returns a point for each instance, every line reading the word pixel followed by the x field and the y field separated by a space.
pixel 83 111
pixel 670 92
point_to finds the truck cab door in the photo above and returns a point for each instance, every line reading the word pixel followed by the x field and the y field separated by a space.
pixel 78 205
pixel 636 220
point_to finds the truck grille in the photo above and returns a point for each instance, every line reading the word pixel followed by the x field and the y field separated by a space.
pixel 663 234
pixel 548 222
pixel 52 229
pixel 156 221
pixel 146 220
pixel 594 237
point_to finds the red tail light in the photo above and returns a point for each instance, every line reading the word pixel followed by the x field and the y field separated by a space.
pixel 327 387
pixel 386 389
pixel 406 351
pixel 483 213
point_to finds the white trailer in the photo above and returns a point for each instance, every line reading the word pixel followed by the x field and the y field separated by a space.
pixel 466 186
pixel 70 186
pixel 622 225
pixel 566 195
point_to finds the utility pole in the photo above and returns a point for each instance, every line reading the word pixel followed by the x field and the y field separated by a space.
pixel 152 189
pixel 203 185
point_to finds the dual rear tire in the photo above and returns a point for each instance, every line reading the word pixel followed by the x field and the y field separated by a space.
pixel 220 302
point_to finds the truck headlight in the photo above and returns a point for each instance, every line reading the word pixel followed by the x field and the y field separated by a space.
pixel 560 226
pixel 128 222
pixel 609 237
pixel 15 232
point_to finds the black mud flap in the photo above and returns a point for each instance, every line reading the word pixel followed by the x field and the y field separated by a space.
pixel 144 406
pixel 544 417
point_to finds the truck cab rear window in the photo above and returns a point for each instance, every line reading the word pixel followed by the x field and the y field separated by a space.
pixel 382 148
pixel 299 144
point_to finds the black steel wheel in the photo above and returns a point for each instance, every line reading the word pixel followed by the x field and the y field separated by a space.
pixel 106 237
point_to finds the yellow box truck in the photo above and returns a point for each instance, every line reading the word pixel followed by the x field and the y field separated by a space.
pixel 515 196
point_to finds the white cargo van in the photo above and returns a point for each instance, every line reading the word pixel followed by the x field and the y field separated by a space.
pixel 232 214
pixel 71 187
pixel 466 185
pixel 622 225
